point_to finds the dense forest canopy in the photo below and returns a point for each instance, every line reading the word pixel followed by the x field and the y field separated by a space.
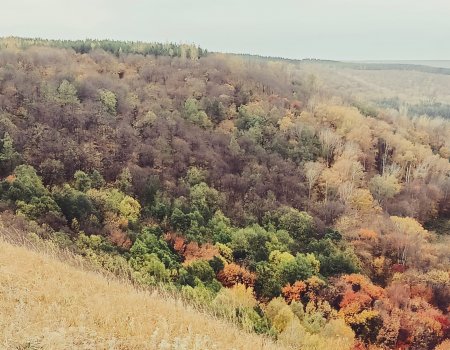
pixel 276 193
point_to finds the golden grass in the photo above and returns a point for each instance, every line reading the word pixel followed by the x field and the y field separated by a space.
pixel 48 304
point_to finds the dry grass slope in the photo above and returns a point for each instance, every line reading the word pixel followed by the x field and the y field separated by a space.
pixel 48 304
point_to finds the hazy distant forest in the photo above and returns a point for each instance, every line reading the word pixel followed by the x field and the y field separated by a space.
pixel 305 200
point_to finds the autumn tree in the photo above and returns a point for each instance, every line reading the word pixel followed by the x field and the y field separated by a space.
pixel 384 187
pixel 293 292
pixel 406 239
pixel 284 268
pixel 233 274
pixel 357 303
pixel 312 174
pixel 330 144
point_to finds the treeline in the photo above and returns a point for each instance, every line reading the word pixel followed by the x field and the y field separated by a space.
pixel 430 109
pixel 115 47
pixel 388 66
pixel 240 184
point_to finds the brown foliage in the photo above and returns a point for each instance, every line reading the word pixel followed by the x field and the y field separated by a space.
pixel 366 234
pixel 194 251
pixel 115 227
pixel 10 178
pixel 191 251
pixel 120 239
pixel 233 274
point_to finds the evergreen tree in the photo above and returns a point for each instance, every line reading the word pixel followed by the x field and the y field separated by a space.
pixel 9 158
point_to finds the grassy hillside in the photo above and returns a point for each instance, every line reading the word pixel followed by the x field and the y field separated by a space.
pixel 48 304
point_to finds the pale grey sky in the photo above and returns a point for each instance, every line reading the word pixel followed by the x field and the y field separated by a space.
pixel 328 29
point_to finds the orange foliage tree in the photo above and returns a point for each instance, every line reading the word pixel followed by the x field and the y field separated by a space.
pixel 192 251
pixel 357 300
pixel 294 291
pixel 233 274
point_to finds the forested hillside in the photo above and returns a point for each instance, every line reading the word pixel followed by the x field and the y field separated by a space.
pixel 262 190
pixel 407 89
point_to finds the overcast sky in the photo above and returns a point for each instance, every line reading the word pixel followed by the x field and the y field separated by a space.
pixel 328 29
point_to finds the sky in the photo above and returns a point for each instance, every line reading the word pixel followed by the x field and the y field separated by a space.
pixel 325 29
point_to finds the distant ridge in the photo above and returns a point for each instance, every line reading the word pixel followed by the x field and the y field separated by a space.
pixel 395 66
pixel 429 63
pixel 426 66
pixel 115 47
